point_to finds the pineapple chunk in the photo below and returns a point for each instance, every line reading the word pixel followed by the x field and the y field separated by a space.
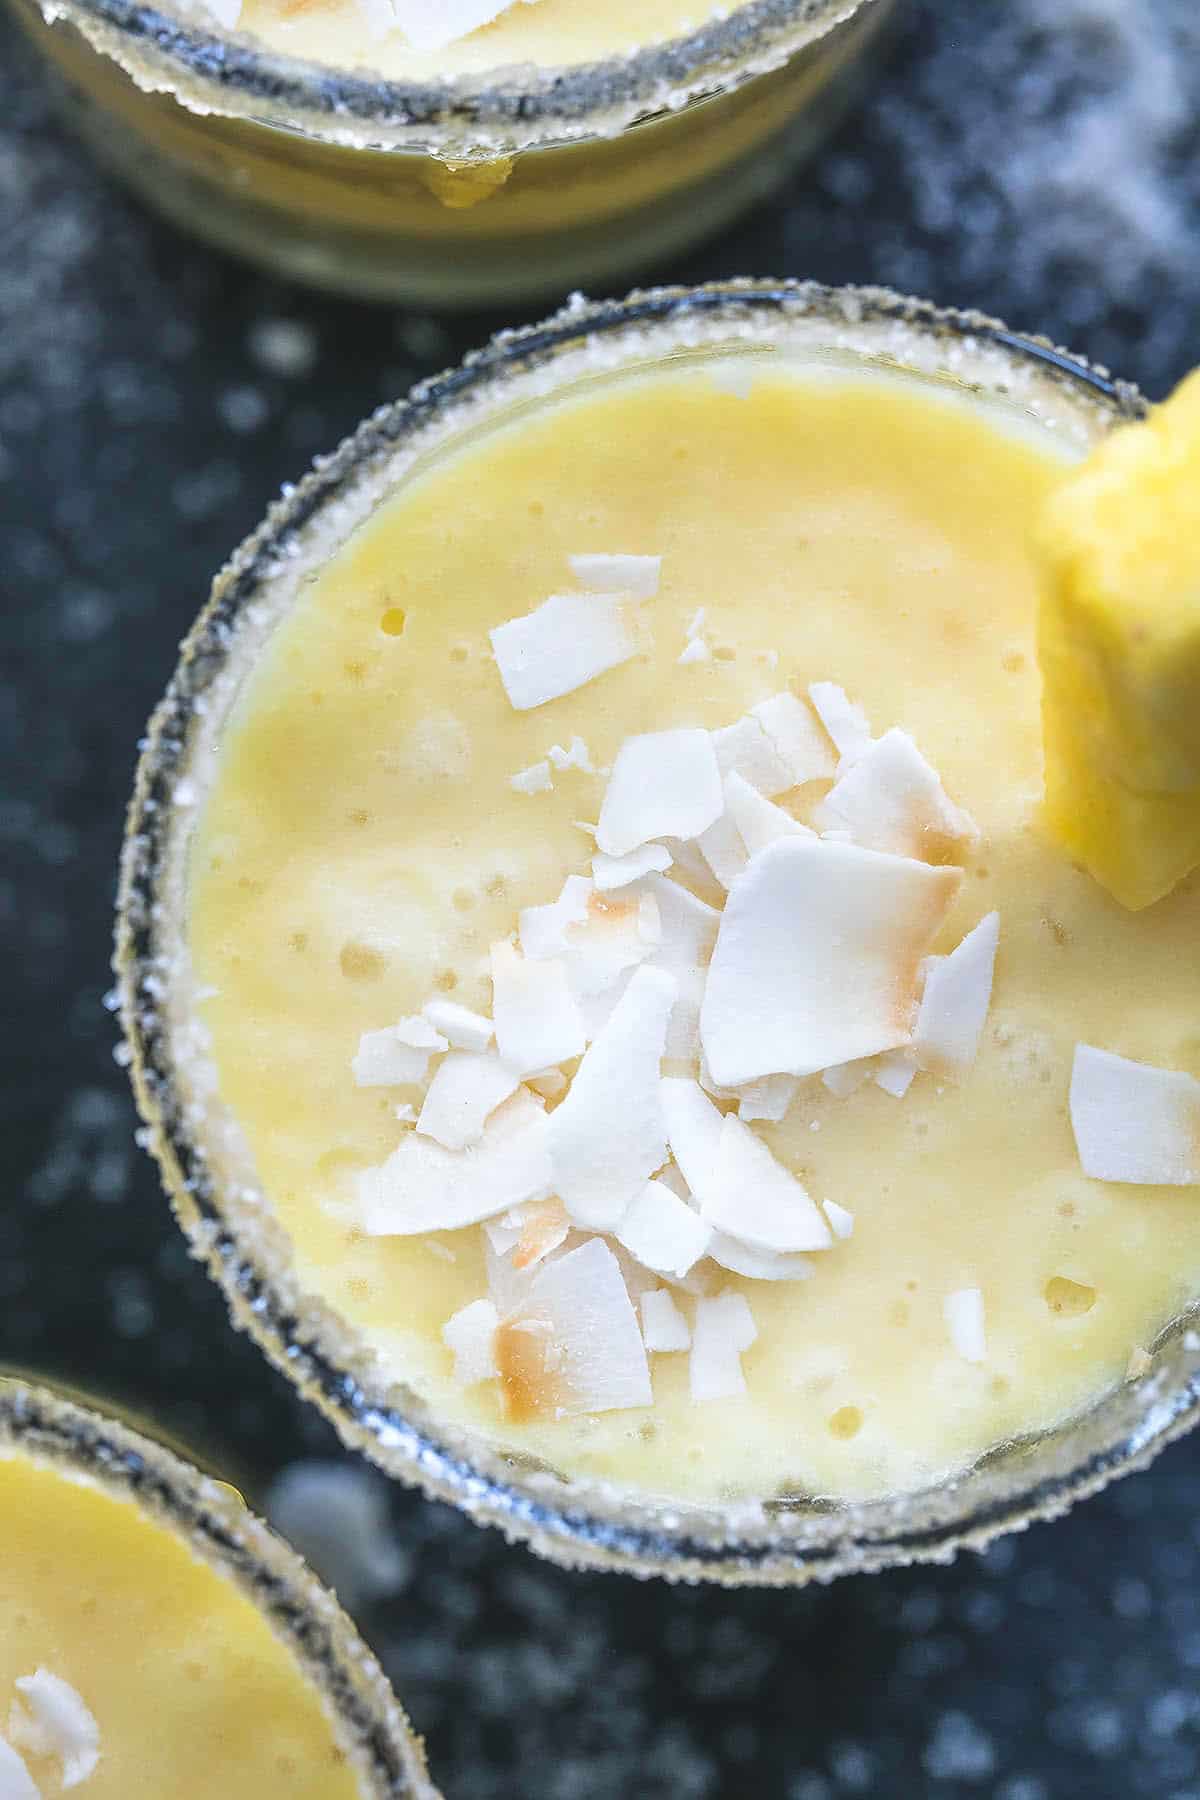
pixel 1119 646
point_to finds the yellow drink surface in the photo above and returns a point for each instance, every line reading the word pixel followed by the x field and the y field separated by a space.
pixel 548 34
pixel 361 847
pixel 193 1695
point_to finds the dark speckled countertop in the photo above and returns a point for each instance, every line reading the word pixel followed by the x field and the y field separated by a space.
pixel 1037 158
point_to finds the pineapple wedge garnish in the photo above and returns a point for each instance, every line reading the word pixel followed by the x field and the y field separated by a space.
pixel 1119 647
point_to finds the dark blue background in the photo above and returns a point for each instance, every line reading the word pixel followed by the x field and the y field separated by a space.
pixel 1037 158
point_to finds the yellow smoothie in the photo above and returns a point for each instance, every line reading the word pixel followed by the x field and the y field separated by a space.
pixel 189 1691
pixel 361 846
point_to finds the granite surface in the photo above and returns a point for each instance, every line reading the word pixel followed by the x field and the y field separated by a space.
pixel 1039 158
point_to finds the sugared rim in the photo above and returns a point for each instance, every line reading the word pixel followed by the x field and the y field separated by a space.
pixel 497 112
pixel 576 1522
pixel 48 1428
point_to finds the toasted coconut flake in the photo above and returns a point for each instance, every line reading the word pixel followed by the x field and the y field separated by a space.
pixel 471 1335
pixel 663 784
pixel 891 799
pixel 758 820
pixel 797 737
pixel 845 1079
pixel 562 645
pixel 609 1135
pixel 757 1265
pixel 1134 1122
pixel 424 1187
pixel 536 779
pixel 575 756
pixel 544 1226
pixel 817 957
pixel 543 929
pixel 609 872
pixel 537 1020
pixel 954 1005
pixel 619 931
pixel 770 1098
pixel 693 1131
pixel 635 576
pixel 664 1327
pixel 574 1345
pixel 397 1054
pixel 469 1085
pixel 746 748
pixel 840 1220
pixel 724 1328
pixel 16 1783
pixel 752 1197
pixel 58 1723
pixel 663 1232
pixel 894 1073
pixel 722 848
pixel 846 723
pixel 461 1028
pixel 963 1312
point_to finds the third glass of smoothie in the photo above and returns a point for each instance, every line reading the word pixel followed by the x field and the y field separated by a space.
pixel 603 998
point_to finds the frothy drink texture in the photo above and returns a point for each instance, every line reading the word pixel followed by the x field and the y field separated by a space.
pixel 383 809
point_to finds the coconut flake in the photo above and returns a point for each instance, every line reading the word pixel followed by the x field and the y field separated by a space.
pixel 617 932
pixel 752 1197
pixel 694 651
pixel 816 958
pixel 468 1087
pixel 461 1028
pixel 693 1131
pixel 894 1073
pixel 722 848
pixel 574 1345
pixel 841 1221
pixel 575 756
pixel 636 577
pixel 536 779
pixel 797 737
pixel 424 1187
pixel 1139 1364
pixel 770 1098
pixel 551 1084
pixel 954 1005
pixel 963 1311
pixel 724 1328
pixel 758 820
pixel 757 1265
pixel 471 1334
pixel 543 1227
pixel 609 1136
pixel 664 1327
pixel 746 747
pixel 663 1232
pixel 432 27
pixel 562 645
pixel 846 723
pixel 543 929
pixel 845 1079
pixel 663 784
pixel 891 799
pixel 610 872
pixel 397 1054
pixel 1134 1122
pixel 16 1783
pixel 537 1020
pixel 688 929
pixel 58 1723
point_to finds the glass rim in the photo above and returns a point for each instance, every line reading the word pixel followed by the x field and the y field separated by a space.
pixel 575 1521
pixel 498 111
pixel 209 1516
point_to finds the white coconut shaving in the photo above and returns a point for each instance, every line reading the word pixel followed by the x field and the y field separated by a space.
pixel 575 756
pixel 723 1330
pixel 470 1334
pixel 695 650
pixel 612 872
pixel 433 26
pixel 846 723
pixel 770 1097
pixel 467 1088
pixel 745 748
pixel 889 798
pixel 562 645
pixel 542 930
pixel 758 820
pixel 816 958
pixel 752 1197
pixel 228 13
pixel 424 1187
pixel 845 1079
pixel 663 784
pixel 841 1222
pixel 663 1232
pixel 723 850
pixel 52 1719
pixel 797 738
pixel 637 577
pixel 664 1327
pixel 537 1020
pixel 397 1054
pixel 963 1312
pixel 954 1005
pixel 536 779
pixel 757 1265
pixel 1134 1122
pixel 16 1783
pixel 608 1136
pixel 894 1073
pixel 693 1126
pixel 574 1345
pixel 461 1028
